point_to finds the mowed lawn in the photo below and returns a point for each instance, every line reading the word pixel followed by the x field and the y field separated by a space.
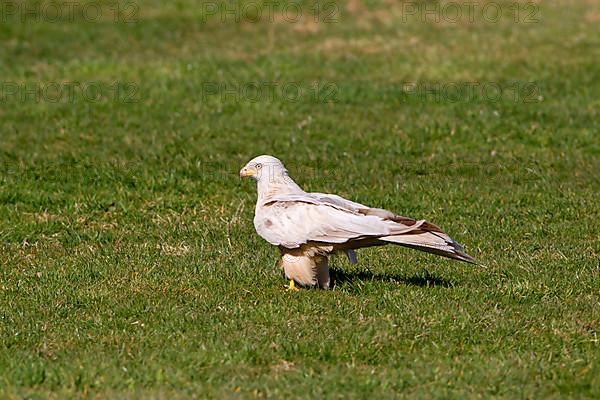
pixel 129 265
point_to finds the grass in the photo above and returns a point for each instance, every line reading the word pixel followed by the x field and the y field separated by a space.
pixel 130 267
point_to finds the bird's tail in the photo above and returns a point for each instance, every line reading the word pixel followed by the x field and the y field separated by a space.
pixel 431 239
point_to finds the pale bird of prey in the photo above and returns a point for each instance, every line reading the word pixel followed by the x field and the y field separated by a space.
pixel 309 227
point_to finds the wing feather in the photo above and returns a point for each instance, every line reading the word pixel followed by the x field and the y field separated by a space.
pixel 291 221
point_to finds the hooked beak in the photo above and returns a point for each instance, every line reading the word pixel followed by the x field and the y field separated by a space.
pixel 246 171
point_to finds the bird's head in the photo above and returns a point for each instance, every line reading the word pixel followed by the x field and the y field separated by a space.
pixel 271 177
pixel 263 168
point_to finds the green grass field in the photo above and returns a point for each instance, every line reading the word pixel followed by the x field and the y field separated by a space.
pixel 129 263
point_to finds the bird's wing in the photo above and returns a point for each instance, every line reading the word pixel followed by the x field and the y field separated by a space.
pixel 293 220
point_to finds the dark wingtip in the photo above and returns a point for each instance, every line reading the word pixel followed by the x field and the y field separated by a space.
pixel 462 256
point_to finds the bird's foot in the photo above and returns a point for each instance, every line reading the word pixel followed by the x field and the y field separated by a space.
pixel 292 286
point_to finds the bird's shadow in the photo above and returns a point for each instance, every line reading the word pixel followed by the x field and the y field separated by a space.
pixel 423 279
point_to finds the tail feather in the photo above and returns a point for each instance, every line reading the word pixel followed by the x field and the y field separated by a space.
pixel 435 242
pixel 416 234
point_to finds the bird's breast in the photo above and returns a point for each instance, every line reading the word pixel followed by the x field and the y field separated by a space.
pixel 264 227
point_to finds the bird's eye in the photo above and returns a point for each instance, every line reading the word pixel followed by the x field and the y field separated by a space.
pixel 258 166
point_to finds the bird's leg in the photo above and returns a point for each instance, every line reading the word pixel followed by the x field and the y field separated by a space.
pixel 322 272
pixel 292 286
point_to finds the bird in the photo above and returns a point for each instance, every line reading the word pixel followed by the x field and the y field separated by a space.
pixel 310 227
